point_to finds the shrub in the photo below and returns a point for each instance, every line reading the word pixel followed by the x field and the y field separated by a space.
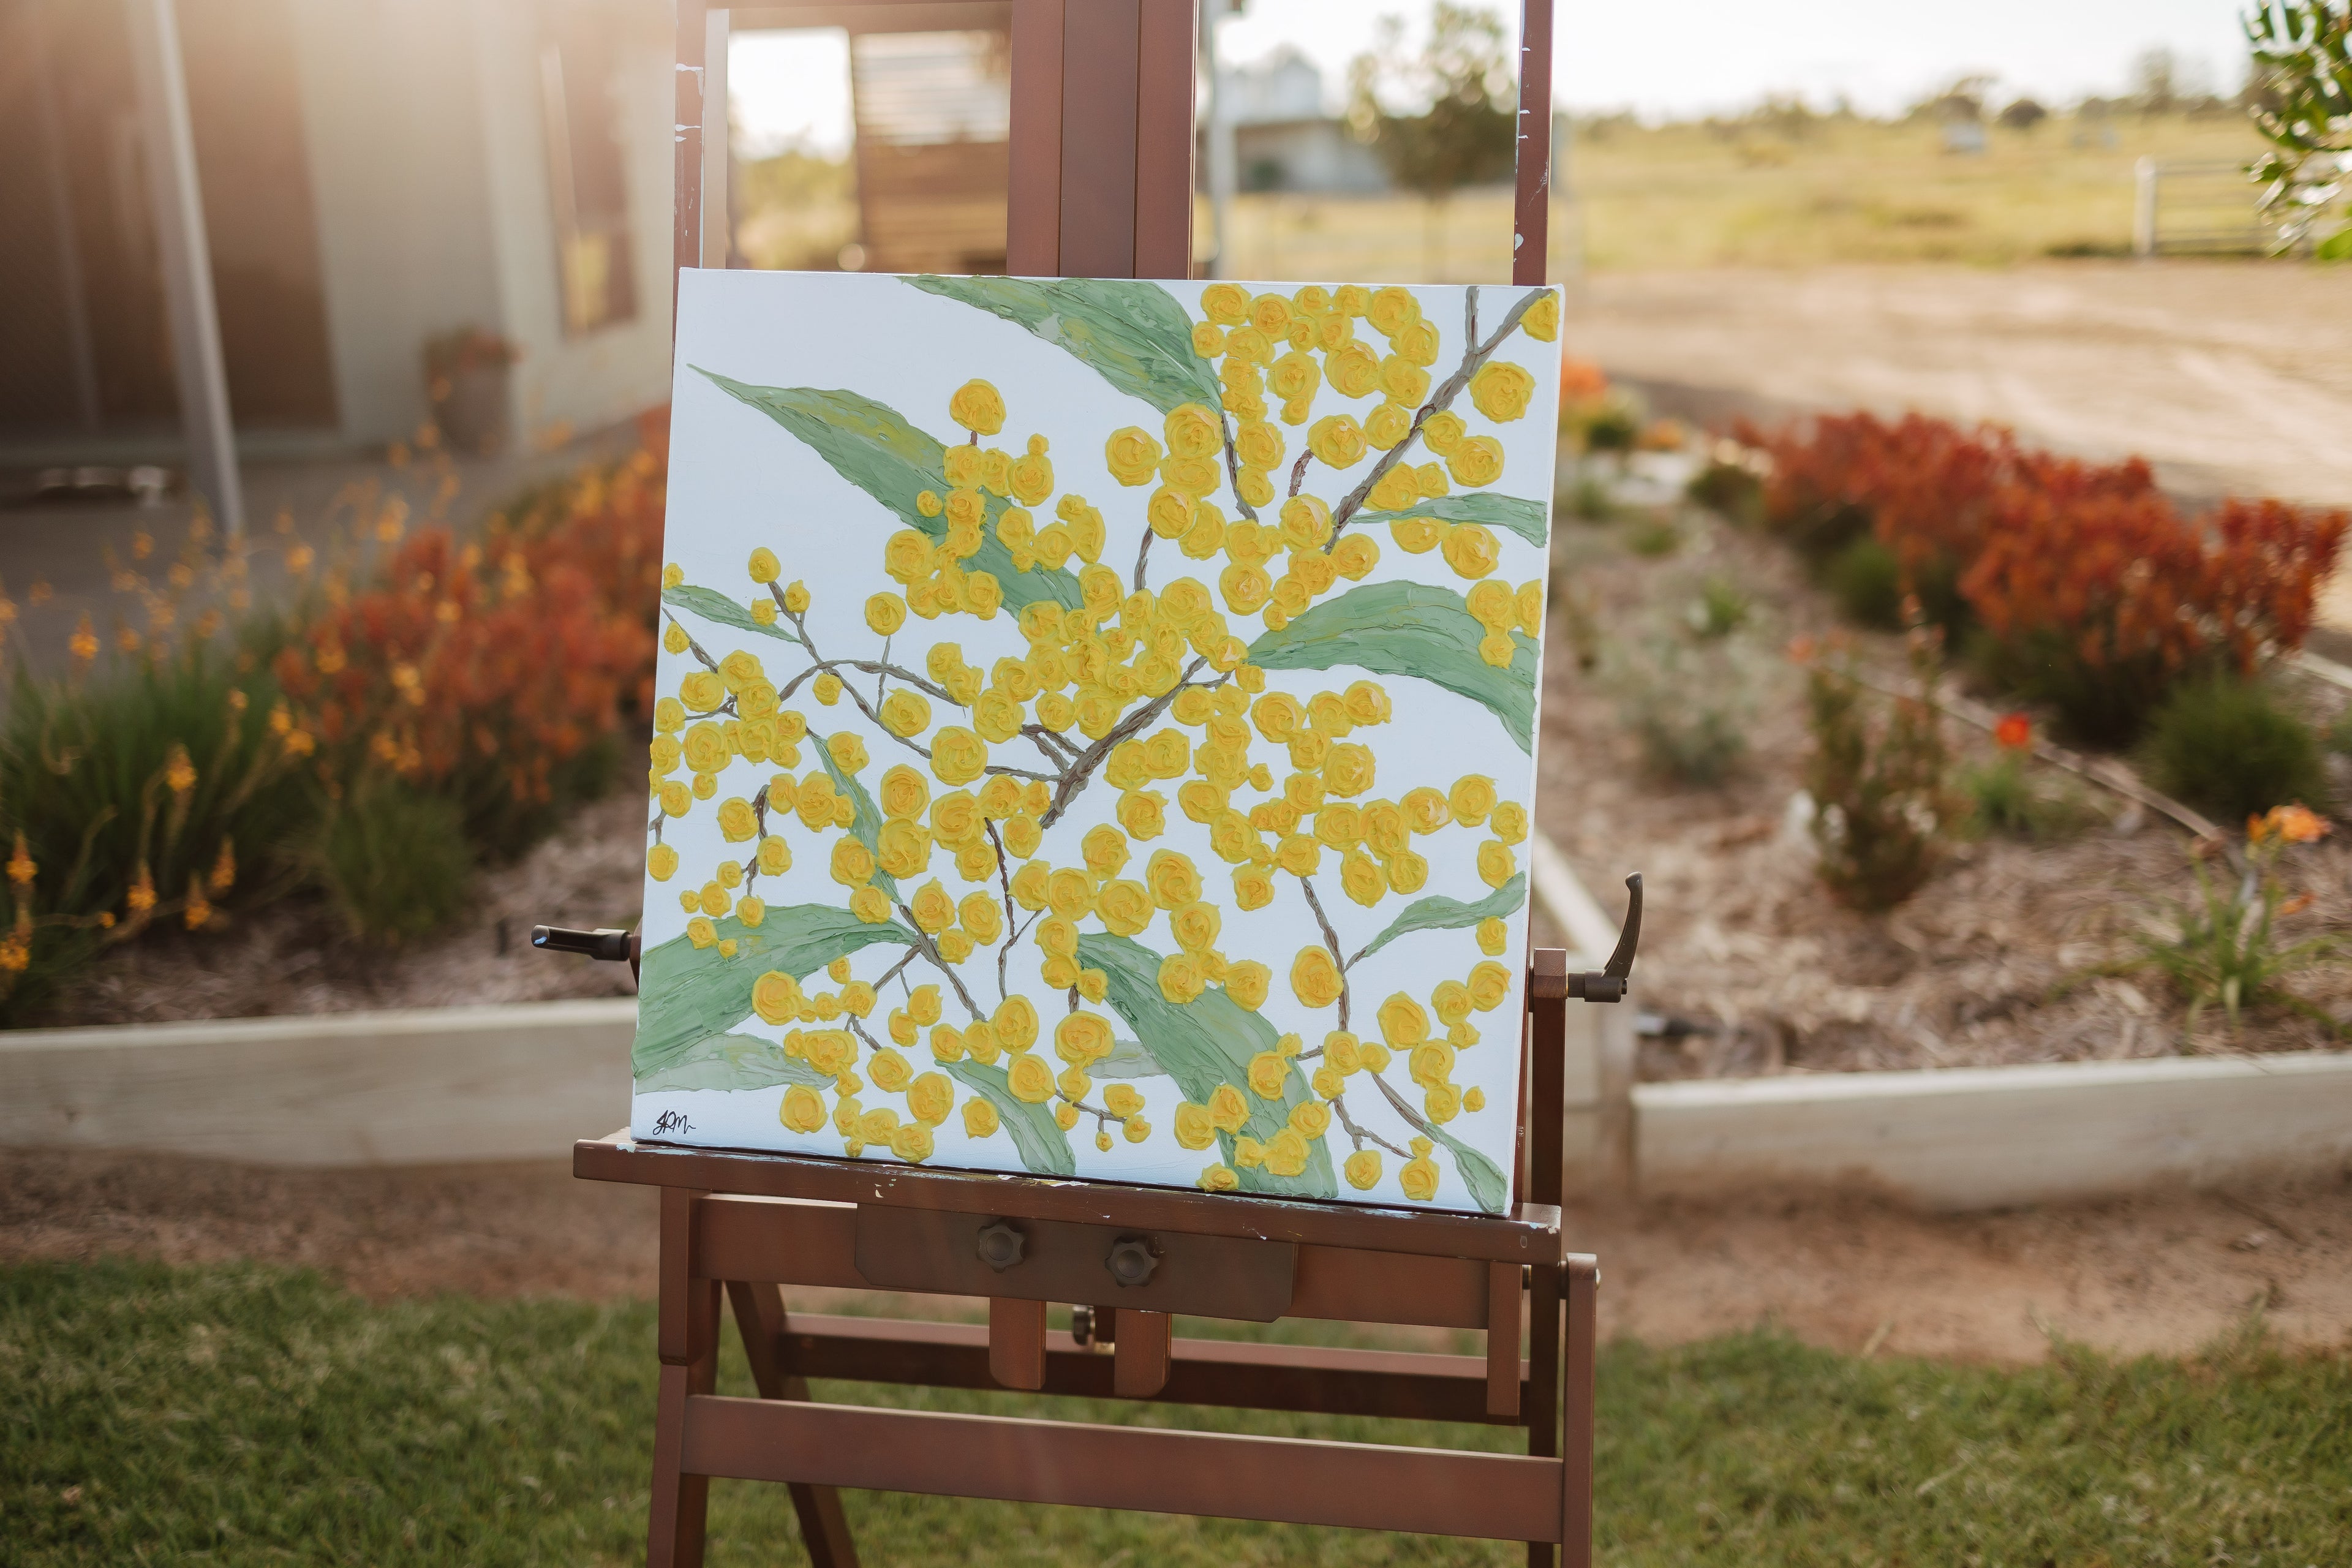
pixel 2223 949
pixel 193 774
pixel 1696 744
pixel 497 673
pixel 1881 806
pixel 395 862
pixel 1731 490
pixel 1589 499
pixel 1721 609
pixel 2096 594
pixel 2224 745
pixel 1686 709
pixel 1653 536
pixel 2107 600
pixel 1612 425
pixel 2004 795
pixel 145 791
pixel 1865 578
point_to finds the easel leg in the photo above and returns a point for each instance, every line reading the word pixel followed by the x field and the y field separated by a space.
pixel 1542 1412
pixel 689 1336
pixel 759 1316
pixel 1576 1520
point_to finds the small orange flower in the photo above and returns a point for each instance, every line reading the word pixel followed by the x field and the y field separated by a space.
pixel 84 642
pixel 141 897
pixel 2014 733
pixel 21 869
pixel 2288 825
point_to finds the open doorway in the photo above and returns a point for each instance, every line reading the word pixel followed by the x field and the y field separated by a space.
pixel 877 146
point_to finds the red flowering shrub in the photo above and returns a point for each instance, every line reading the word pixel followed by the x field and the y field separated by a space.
pixel 497 672
pixel 2097 594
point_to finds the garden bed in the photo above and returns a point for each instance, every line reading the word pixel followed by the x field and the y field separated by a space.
pixel 2014 953
pixel 1753 966
pixel 293 957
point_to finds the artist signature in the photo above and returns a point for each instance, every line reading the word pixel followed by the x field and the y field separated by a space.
pixel 671 1121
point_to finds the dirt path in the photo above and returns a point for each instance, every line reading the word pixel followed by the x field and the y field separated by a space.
pixel 2155 1274
pixel 2230 376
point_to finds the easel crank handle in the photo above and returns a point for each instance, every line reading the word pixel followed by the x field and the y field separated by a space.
pixel 1612 980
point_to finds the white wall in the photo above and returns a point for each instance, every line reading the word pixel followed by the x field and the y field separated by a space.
pixel 575 383
pixel 393 129
pixel 428 159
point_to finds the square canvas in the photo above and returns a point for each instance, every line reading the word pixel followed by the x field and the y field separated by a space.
pixel 1095 729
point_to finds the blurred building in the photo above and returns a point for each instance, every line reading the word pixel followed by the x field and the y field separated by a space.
pixel 372 176
pixel 1284 137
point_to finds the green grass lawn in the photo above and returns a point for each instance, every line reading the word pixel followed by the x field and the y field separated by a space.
pixel 244 1414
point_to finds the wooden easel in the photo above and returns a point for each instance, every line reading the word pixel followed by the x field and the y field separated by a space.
pixel 1102 187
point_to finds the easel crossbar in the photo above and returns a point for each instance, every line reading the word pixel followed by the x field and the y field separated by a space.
pixel 1410 1384
pixel 1530 1233
pixel 803 1244
pixel 1282 1481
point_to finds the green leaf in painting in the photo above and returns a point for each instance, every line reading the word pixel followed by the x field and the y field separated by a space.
pixel 1530 520
pixel 1131 333
pixel 865 826
pixel 714 606
pixel 686 993
pixel 734 1061
pixel 1410 629
pixel 1127 1059
pixel 1438 912
pixel 1042 1144
pixel 872 447
pixel 1202 1043
pixel 1487 1188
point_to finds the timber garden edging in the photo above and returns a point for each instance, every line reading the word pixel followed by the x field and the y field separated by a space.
pixel 525 1080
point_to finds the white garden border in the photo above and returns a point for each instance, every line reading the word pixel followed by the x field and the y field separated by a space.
pixel 421 1086
pixel 523 1081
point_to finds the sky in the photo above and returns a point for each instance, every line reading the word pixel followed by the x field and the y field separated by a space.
pixel 1719 55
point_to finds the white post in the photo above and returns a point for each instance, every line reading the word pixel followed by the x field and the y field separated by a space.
pixel 179 213
pixel 717 142
pixel 2145 178
pixel 1219 137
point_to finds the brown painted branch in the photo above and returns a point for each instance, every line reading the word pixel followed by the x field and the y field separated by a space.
pixel 693 646
pixel 1475 355
pixel 1330 942
pixel 1407 1112
pixel 1299 470
pixel 1234 464
pixel 930 951
pixel 1074 777
pixel 1361 1135
pixel 891 973
pixel 1011 920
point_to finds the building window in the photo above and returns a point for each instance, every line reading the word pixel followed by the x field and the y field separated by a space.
pixel 586 175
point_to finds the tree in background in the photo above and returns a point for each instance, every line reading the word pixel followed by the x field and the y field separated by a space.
pixel 1467 134
pixel 2303 60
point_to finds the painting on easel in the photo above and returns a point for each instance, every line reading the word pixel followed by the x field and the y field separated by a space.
pixel 1095 729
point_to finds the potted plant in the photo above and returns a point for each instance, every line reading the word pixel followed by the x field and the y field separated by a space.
pixel 466 373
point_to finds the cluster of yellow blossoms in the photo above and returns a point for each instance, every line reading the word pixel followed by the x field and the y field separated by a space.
pixel 1144 689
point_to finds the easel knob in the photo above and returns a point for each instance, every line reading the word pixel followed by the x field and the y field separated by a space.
pixel 1001 1246
pixel 1131 1261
